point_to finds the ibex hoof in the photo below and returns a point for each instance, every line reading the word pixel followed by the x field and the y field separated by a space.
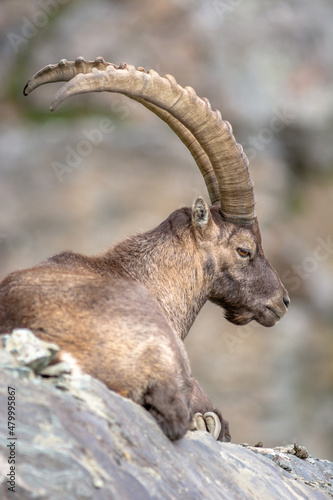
pixel 207 422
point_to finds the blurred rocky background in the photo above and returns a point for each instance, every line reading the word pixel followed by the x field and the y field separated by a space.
pixel 268 67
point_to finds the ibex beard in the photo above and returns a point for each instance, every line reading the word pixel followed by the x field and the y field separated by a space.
pixel 123 315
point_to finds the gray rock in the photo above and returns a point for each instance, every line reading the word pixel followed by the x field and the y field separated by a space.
pixel 78 440
pixel 29 350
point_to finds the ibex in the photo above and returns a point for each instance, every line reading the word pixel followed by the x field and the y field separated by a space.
pixel 122 315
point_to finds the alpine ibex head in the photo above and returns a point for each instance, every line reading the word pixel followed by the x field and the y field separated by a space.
pixel 139 299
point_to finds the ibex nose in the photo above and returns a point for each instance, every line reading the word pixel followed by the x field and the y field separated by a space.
pixel 286 300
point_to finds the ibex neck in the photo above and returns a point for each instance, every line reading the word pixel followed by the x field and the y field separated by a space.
pixel 167 262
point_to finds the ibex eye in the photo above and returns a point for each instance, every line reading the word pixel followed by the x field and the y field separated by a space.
pixel 243 252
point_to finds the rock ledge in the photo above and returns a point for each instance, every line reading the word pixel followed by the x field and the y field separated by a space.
pixel 78 440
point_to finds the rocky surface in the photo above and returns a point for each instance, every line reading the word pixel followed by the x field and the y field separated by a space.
pixel 78 440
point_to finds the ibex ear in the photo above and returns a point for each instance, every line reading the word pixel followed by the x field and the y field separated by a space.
pixel 201 216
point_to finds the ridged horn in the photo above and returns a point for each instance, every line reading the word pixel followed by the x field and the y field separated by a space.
pixel 66 70
pixel 209 138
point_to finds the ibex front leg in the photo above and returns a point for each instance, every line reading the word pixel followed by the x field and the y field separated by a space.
pixel 206 417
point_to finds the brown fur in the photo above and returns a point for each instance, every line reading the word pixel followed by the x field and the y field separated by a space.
pixel 124 313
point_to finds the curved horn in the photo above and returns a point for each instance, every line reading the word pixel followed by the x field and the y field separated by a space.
pixel 185 112
pixel 192 145
pixel 66 70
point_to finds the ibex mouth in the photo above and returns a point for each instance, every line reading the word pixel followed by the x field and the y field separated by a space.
pixel 278 312
pixel 271 314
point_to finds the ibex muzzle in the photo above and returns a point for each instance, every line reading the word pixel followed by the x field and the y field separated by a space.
pixel 121 316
